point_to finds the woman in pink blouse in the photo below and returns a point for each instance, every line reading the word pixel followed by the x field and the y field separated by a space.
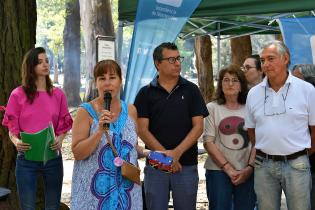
pixel 31 108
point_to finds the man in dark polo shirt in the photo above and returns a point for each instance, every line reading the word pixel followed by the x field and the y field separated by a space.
pixel 170 118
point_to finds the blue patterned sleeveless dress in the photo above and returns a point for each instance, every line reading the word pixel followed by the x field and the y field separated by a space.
pixel 97 183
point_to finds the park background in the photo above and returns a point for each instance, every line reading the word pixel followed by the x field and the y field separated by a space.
pixel 68 29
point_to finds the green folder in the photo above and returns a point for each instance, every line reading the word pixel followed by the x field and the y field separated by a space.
pixel 40 145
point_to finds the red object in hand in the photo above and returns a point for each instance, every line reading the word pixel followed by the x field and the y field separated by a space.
pixel 158 165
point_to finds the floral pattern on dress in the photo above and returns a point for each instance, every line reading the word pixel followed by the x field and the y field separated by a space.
pixel 109 173
pixel 85 196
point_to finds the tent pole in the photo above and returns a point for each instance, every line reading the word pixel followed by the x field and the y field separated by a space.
pixel 119 43
pixel 218 49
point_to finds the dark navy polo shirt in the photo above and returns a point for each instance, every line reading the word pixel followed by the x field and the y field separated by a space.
pixel 170 114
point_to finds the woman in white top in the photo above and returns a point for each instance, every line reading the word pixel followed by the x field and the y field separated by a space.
pixel 229 166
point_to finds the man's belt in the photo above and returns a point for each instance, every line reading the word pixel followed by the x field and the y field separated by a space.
pixel 281 157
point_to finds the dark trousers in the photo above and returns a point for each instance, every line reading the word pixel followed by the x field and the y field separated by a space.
pixel 26 180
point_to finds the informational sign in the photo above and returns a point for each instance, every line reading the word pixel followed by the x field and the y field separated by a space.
pixel 105 46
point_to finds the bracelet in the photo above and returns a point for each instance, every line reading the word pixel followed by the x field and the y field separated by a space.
pixel 250 165
pixel 224 164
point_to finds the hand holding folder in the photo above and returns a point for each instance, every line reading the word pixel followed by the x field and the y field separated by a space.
pixel 40 145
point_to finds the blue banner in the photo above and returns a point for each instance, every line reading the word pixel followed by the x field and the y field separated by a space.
pixel 299 36
pixel 157 21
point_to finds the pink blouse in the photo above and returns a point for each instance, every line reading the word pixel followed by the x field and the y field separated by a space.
pixel 20 115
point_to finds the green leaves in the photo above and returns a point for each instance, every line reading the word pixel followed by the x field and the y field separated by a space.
pixel 50 24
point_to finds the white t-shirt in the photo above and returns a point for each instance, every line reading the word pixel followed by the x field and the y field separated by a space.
pixel 226 128
pixel 281 119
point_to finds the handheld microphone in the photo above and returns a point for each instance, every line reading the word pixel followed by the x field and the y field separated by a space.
pixel 107 101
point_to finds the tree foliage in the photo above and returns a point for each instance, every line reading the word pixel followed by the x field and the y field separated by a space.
pixel 51 21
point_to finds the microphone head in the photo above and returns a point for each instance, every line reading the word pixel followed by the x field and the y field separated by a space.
pixel 107 96
pixel 107 100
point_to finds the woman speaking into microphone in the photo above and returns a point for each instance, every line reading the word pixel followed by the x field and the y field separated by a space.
pixel 97 182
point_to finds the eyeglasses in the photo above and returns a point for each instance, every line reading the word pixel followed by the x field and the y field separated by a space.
pixel 228 81
pixel 172 60
pixel 270 111
pixel 247 68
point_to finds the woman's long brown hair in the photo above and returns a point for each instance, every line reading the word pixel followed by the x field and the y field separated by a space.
pixel 29 76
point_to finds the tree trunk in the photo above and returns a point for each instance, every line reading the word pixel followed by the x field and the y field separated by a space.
pixel 279 37
pixel 56 73
pixel 18 35
pixel 71 39
pixel 241 47
pixel 203 50
pixel 96 19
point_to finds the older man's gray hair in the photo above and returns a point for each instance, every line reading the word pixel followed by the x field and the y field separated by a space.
pixel 307 70
pixel 282 49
